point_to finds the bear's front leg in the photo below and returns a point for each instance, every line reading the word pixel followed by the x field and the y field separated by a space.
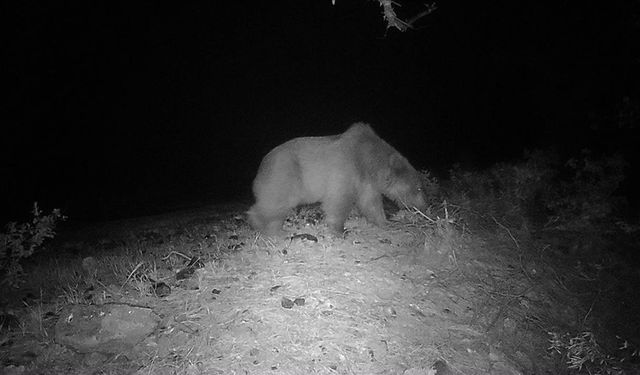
pixel 370 205
pixel 336 210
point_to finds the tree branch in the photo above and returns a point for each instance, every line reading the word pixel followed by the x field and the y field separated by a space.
pixel 393 20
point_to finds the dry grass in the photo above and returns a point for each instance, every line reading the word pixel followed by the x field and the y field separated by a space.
pixel 380 301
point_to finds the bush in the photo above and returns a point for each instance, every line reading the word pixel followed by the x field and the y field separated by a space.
pixel 21 240
pixel 542 190
pixel 509 192
pixel 587 195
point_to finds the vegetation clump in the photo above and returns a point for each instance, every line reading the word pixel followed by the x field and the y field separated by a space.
pixel 22 240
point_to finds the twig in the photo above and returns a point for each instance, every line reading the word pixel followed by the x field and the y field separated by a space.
pixel 417 211
pixel 176 253
pixel 131 274
pixel 453 257
pixel 584 321
pixel 430 9
pixel 508 231
pixel 393 20
pixel 522 268
pixel 446 211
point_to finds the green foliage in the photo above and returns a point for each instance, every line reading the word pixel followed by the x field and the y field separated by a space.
pixel 20 241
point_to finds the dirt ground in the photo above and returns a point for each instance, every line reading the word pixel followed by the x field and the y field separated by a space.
pixel 417 297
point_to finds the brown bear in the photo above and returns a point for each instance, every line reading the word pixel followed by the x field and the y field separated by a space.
pixel 355 167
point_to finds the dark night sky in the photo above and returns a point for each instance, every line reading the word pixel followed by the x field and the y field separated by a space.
pixel 117 110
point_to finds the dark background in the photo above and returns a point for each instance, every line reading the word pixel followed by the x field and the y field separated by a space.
pixel 115 110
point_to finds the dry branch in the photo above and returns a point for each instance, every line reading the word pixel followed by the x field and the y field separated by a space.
pixel 393 20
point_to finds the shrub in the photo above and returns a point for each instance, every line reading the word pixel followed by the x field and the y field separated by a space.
pixel 21 240
pixel 430 185
pixel 587 193
pixel 509 192
pixel 541 189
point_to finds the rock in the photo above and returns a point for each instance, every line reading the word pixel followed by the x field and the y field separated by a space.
pixel 13 370
pixel 441 368
pixel 111 328
pixel 510 326
pixel 503 368
pixel 286 303
pixel 94 359
pixel 160 289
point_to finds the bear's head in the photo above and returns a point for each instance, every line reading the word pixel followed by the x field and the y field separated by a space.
pixel 403 183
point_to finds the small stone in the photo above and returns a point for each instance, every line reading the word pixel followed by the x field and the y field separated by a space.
pixel 442 368
pixel 161 289
pixel 509 325
pixel 390 312
pixel 286 303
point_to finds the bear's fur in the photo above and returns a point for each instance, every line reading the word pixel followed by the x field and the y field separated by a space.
pixel 355 167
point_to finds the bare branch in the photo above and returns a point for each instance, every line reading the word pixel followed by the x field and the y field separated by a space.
pixel 393 20
pixel 391 17
pixel 430 8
